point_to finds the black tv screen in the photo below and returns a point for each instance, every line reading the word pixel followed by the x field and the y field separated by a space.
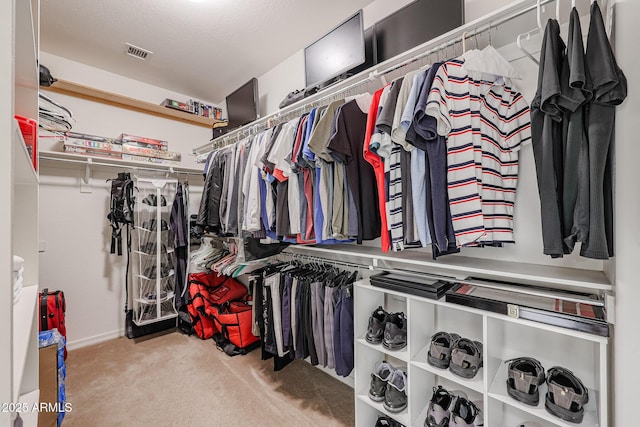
pixel 335 53
pixel 415 24
pixel 242 104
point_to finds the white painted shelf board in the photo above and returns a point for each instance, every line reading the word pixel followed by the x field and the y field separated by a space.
pixel 401 417
pixel 24 173
pixel 23 315
pixel 476 383
pixel 30 418
pixel 46 156
pixel 498 391
pixel 402 354
pixel 461 266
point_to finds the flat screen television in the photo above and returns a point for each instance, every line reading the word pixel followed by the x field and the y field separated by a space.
pixel 338 51
pixel 242 105
pixel 414 24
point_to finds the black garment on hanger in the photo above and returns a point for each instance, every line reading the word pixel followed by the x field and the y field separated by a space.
pixel 178 221
pixel 609 86
pixel 546 132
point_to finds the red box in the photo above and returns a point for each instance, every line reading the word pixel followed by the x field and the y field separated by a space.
pixel 29 129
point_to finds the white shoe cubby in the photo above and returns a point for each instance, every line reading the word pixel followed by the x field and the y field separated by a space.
pixel 152 251
pixel 502 338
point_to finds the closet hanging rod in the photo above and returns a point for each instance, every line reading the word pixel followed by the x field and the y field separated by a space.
pixel 480 25
pixel 90 162
pixel 312 258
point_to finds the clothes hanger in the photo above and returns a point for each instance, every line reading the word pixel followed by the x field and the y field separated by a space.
pixel 528 34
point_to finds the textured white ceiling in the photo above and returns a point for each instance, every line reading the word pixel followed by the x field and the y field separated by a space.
pixel 202 49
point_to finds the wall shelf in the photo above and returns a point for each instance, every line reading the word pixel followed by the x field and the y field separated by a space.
pixel 97 95
pixel 96 161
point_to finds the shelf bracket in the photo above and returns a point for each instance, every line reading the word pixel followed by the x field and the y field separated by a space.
pixel 85 186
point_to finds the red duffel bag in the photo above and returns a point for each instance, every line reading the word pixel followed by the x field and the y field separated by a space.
pixel 233 321
pixel 207 290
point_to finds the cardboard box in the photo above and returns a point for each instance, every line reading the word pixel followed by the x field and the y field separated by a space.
pixel 92 152
pixel 94 145
pixel 48 375
pixel 150 152
pixel 141 141
pixel 88 137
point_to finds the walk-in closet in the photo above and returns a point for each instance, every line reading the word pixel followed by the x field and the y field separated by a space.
pixel 345 213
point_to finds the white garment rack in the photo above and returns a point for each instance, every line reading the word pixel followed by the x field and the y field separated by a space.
pixel 351 85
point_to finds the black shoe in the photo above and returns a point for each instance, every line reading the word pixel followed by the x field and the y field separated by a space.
pixel 384 421
pixel 466 358
pixel 150 200
pixel 395 397
pixel 151 225
pixel 525 375
pixel 465 414
pixel 395 332
pixel 566 395
pixel 439 354
pixel 379 380
pixel 151 248
pixel 150 272
pixel 439 411
pixel 377 321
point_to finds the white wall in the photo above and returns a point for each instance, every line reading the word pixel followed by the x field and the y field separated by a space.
pixel 73 225
pixel 474 9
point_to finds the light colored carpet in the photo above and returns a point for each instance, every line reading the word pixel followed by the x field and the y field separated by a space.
pixel 175 380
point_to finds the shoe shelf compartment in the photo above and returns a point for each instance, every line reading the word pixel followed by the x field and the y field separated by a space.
pixel 422 389
pixel 502 337
pixel 585 355
pixel 427 319
pixel 371 357
pixel 391 303
pixel 368 356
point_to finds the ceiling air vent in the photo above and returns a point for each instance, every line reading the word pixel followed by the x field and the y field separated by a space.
pixel 137 52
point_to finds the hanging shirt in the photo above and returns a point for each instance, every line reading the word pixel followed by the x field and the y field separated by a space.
pixel 251 185
pixel 347 145
pixel 431 155
pixel 392 165
pixel 376 162
pixel 397 131
pixel 609 86
pixel 486 123
pixel 575 188
pixel 546 126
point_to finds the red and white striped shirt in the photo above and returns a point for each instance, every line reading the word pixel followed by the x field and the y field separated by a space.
pixel 485 122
